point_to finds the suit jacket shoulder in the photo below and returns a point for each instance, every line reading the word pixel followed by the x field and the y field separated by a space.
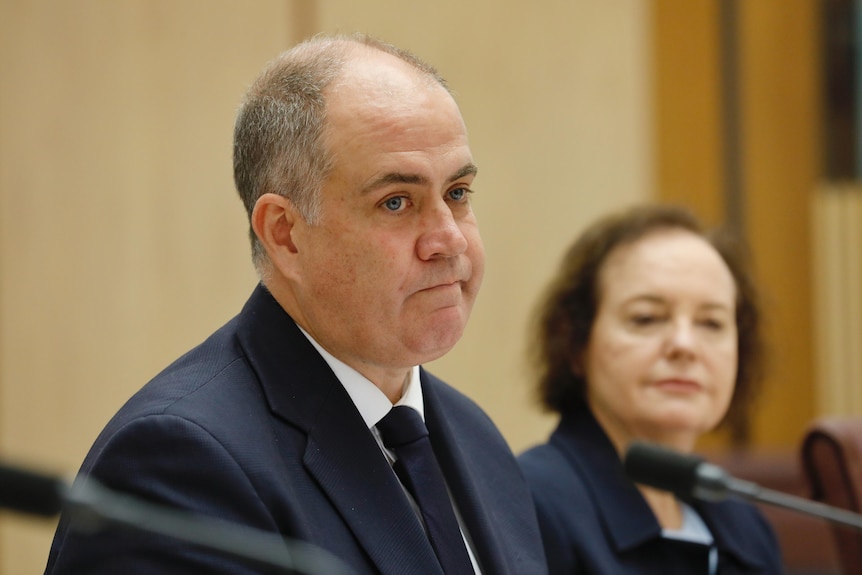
pixel 594 520
pixel 253 427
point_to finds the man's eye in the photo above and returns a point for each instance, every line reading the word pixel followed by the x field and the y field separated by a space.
pixel 394 204
pixel 458 194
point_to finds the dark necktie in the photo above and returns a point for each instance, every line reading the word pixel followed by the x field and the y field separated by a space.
pixel 404 432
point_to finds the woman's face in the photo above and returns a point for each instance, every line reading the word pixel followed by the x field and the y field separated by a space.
pixel 661 360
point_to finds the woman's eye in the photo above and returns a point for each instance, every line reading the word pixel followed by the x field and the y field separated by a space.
pixel 394 204
pixel 713 324
pixel 644 319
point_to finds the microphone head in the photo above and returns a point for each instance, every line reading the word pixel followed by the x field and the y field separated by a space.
pixel 29 492
pixel 655 466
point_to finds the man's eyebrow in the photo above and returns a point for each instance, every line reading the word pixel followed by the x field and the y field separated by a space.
pixel 467 170
pixel 415 179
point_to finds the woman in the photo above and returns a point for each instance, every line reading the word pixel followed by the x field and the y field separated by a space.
pixel 649 332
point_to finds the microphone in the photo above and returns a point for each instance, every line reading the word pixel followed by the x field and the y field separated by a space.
pixel 92 507
pixel 29 492
pixel 692 477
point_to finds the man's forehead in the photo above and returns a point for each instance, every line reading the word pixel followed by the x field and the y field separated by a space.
pixel 369 69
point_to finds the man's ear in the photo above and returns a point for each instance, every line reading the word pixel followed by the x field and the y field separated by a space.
pixel 272 220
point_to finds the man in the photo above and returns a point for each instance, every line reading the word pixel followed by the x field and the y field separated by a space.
pixel 352 160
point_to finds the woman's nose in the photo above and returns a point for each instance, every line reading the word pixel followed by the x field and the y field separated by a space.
pixel 681 338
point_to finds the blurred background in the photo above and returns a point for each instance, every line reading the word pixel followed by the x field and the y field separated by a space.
pixel 123 244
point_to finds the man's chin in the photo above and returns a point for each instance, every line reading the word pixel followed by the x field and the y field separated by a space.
pixel 435 343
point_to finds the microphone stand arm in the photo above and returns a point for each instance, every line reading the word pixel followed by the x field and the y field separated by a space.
pixel 92 506
pixel 715 484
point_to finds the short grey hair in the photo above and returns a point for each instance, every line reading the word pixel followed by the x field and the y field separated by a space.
pixel 279 136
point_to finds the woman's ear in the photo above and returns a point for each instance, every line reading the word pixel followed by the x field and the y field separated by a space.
pixel 576 364
pixel 272 220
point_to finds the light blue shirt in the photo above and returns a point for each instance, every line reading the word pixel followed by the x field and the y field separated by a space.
pixel 693 529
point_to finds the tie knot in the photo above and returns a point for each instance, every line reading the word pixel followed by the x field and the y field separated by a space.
pixel 402 425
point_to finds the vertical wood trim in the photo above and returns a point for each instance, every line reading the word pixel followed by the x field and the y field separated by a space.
pixel 732 150
pixel 837 239
pixel 687 99
pixel 828 294
pixel 778 66
pixel 853 225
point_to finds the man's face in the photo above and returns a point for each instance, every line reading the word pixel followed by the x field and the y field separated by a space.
pixel 388 277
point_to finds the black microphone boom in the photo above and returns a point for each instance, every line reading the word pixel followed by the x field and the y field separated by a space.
pixel 91 506
pixel 690 476
pixel 29 492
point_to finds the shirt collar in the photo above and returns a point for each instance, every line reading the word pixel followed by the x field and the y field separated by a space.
pixel 371 403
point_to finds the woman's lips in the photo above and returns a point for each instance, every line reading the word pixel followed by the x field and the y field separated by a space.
pixel 679 385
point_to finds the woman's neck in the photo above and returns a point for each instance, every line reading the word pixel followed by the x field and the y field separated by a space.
pixel 665 507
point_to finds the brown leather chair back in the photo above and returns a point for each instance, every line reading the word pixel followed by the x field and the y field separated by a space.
pixel 832 463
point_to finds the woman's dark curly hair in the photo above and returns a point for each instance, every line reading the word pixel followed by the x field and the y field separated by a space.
pixel 567 310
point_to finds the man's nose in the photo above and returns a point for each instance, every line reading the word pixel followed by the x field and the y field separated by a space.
pixel 441 236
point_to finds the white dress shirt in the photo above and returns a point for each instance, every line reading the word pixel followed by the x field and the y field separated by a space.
pixel 373 405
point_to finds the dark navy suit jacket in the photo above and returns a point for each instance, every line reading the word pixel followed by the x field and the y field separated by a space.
pixel 594 520
pixel 253 427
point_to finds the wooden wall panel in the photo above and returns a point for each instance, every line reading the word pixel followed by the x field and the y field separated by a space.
pixel 122 241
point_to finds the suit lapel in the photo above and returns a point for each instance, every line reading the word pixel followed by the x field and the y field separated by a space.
pixel 623 510
pixel 475 498
pixel 352 470
pixel 341 454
